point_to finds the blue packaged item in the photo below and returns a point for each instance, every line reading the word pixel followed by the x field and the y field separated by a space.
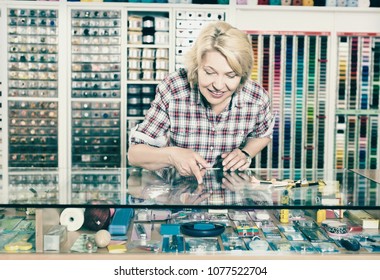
pixel 170 229
pixel 120 221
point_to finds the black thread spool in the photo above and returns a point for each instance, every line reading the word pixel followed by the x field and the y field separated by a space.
pixel 148 30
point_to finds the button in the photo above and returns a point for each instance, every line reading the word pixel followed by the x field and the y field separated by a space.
pixel 211 148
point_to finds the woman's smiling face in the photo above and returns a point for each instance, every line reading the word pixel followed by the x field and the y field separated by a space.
pixel 217 81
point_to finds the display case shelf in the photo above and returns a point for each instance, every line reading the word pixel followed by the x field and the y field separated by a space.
pixel 277 205
pixel 254 188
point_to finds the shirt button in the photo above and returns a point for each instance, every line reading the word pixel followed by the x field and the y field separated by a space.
pixel 211 148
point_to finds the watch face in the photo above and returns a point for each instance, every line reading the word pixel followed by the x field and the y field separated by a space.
pixel 247 155
pixel 249 160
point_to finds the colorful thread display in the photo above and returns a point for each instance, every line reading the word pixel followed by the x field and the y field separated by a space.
pixel 356 130
pixel 292 66
pixel 282 61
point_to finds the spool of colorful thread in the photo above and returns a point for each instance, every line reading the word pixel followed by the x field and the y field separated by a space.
pixel 307 2
pixel 286 2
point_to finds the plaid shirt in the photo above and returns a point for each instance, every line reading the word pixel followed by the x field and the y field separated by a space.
pixel 179 117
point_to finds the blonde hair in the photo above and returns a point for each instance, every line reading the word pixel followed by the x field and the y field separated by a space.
pixel 231 42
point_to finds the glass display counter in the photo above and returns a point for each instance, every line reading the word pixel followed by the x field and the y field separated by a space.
pixel 271 213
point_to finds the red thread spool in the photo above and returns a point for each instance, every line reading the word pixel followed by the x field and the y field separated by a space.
pixel 97 218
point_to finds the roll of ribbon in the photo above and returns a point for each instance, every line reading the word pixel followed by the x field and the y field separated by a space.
pixel 72 218
pixel 307 2
pixel 319 2
pixel 341 3
pixel 97 218
pixel 161 23
pixel 274 2
pixel 352 3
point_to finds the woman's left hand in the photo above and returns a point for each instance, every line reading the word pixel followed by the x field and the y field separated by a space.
pixel 235 160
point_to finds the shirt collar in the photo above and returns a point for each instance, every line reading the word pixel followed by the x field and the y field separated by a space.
pixel 195 96
pixel 238 99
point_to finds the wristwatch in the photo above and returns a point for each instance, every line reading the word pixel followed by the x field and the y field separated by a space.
pixel 247 156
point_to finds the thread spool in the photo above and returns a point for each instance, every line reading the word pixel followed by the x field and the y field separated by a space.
pixel 97 218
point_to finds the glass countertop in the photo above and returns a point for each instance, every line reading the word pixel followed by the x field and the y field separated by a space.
pixel 140 188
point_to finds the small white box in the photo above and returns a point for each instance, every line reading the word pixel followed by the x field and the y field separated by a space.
pixel 184 42
pixel 181 15
pixel 55 237
pixel 181 50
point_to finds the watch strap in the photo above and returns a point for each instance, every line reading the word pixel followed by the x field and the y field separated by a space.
pixel 246 153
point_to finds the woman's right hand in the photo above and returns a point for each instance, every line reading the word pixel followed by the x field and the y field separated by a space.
pixel 188 163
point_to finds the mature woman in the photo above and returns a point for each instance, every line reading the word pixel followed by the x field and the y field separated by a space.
pixel 209 112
